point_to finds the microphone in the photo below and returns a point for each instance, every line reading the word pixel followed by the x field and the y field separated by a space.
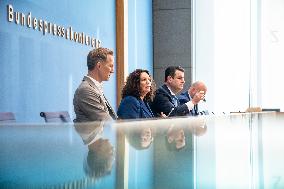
pixel 170 111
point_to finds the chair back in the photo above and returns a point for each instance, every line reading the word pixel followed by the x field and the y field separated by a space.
pixel 254 109
pixel 56 117
pixel 271 109
pixel 7 117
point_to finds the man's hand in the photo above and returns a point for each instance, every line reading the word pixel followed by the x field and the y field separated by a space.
pixel 198 96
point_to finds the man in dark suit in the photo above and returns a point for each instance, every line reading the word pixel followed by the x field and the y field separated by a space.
pixel 90 103
pixel 187 96
pixel 166 102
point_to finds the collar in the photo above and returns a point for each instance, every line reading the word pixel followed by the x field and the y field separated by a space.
pixel 188 95
pixel 171 91
pixel 98 84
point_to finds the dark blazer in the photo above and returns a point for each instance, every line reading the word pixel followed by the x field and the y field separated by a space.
pixel 164 102
pixel 184 98
pixel 132 108
pixel 90 104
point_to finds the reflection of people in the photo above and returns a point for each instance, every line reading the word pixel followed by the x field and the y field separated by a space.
pixel 136 94
pixel 89 101
pixel 198 126
pixel 176 136
pixel 194 95
pixel 139 137
pixel 100 158
pixel 178 130
pixel 166 101
pixel 100 155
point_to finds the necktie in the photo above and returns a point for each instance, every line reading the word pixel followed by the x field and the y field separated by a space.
pixel 111 112
pixel 195 108
pixel 175 100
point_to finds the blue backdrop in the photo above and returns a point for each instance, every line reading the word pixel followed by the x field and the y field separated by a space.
pixel 41 72
pixel 140 35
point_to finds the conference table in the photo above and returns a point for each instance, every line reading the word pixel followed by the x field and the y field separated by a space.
pixel 239 150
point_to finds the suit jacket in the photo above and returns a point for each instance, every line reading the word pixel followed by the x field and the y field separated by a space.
pixel 132 108
pixel 90 104
pixel 164 102
pixel 184 98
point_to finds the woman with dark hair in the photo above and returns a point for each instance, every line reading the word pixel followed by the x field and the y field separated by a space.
pixel 136 94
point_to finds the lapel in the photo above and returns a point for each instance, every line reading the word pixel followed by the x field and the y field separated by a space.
pixel 102 97
pixel 168 93
pixel 111 111
pixel 145 107
pixel 187 95
pixel 92 84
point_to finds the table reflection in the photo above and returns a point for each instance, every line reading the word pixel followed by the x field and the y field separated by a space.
pixel 100 156
pixel 236 151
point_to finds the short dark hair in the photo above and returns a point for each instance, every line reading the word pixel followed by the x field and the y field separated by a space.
pixel 99 162
pixel 96 55
pixel 132 85
pixel 170 71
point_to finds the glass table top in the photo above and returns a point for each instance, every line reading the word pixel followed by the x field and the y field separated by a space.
pixel 230 151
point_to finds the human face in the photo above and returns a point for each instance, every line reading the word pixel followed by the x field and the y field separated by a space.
pixel 177 135
pixel 176 83
pixel 103 150
pixel 200 87
pixel 106 68
pixel 180 139
pixel 146 137
pixel 145 84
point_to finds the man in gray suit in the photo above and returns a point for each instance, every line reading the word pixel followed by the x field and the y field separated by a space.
pixel 89 101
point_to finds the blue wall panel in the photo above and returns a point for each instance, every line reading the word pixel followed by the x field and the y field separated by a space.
pixel 140 55
pixel 140 41
pixel 41 72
